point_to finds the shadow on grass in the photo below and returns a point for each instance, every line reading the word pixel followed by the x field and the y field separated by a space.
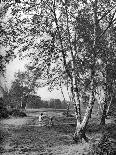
pixel 33 138
pixel 97 128
pixel 66 128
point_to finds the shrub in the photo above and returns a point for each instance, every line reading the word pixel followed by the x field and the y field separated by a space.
pixel 4 113
pixel 17 113
pixel 102 147
pixel 65 114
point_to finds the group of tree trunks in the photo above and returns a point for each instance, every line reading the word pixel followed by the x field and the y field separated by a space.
pixel 69 43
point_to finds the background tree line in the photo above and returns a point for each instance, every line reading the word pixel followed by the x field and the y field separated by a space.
pixel 19 96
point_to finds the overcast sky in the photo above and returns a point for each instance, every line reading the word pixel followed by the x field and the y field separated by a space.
pixel 16 65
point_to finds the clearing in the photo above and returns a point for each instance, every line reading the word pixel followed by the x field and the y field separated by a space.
pixel 22 136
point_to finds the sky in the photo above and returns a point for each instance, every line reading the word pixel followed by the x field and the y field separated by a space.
pixel 13 67
pixel 16 65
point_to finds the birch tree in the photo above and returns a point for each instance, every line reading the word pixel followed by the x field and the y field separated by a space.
pixel 64 38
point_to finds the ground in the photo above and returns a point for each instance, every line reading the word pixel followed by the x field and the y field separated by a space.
pixel 23 136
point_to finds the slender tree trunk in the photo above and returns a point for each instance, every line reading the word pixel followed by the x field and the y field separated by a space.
pixel 81 125
pixel 80 132
pixel 106 108
pixel 100 110
pixel 2 91
pixel 75 99
pixel 103 117
pixel 70 98
pixel 72 75
pixel 109 106
pixel 100 107
pixel 67 110
pixel 75 92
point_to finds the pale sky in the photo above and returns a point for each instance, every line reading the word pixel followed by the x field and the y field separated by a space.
pixel 13 67
pixel 16 65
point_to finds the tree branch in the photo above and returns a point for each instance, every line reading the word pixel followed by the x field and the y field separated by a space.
pixel 105 14
pixel 110 23
pixel 62 49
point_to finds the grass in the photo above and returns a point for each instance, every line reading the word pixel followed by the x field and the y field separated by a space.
pixel 56 140
pixel 37 138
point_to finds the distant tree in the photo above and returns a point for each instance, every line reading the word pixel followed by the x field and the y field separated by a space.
pixel 55 103
pixel 34 101
pixel 20 90
pixel 45 104
pixel 66 105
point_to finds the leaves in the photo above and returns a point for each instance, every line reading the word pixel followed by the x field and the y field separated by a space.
pixel 58 39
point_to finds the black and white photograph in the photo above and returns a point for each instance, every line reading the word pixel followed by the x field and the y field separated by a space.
pixel 57 77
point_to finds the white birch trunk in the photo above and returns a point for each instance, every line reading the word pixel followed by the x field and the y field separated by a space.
pixel 81 128
pixel 109 106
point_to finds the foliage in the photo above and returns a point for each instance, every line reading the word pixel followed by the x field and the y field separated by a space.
pixel 112 108
pixel 55 103
pixel 48 39
pixel 19 91
pixel 104 146
pixel 34 101
pixel 17 113
pixel 3 110
pixel 68 42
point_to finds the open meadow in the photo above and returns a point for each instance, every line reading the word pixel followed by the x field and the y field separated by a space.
pixel 23 136
pixel 56 56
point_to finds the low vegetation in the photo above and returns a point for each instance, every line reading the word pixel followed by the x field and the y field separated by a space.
pixel 6 113
pixel 69 44
pixel 29 138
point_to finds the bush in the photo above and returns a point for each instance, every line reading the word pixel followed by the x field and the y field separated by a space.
pixel 17 113
pixel 4 113
pixel 65 114
pixel 102 147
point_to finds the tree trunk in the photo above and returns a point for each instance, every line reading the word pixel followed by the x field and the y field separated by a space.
pixel 100 109
pixel 105 106
pixel 109 106
pixel 2 91
pixel 80 132
pixel 103 117
pixel 67 110
pixel 81 126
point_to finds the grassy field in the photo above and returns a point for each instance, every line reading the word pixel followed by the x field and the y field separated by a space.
pixel 22 136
